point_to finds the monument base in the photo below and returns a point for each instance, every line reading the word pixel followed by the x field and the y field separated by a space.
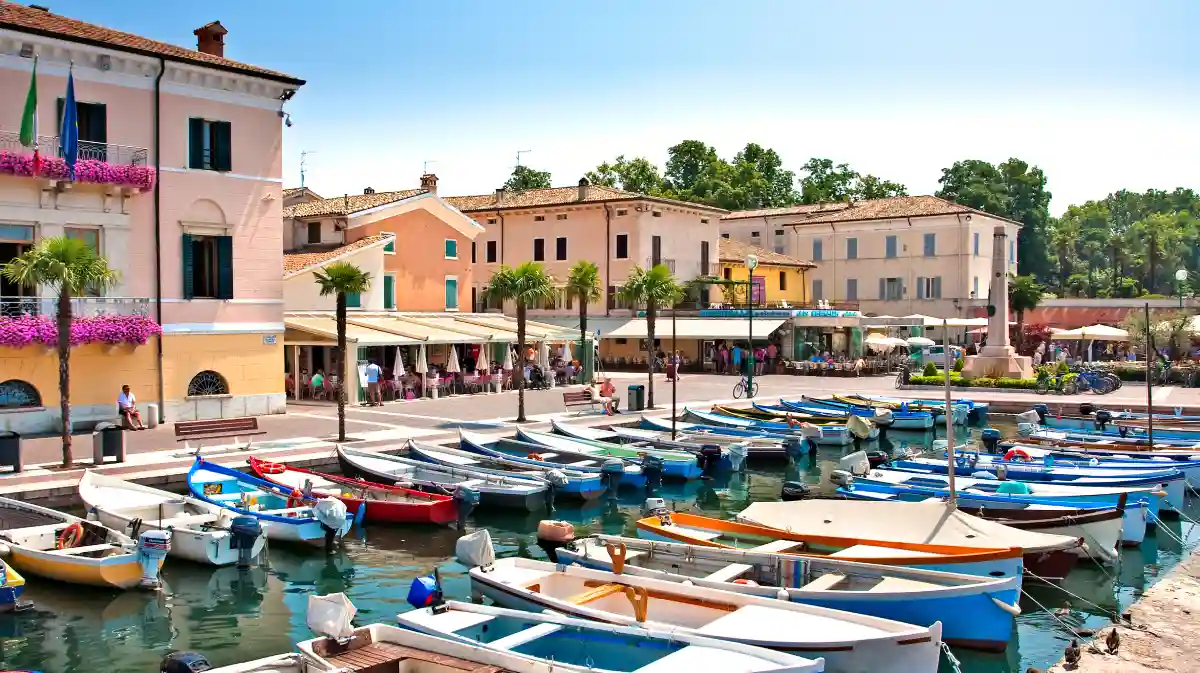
pixel 998 361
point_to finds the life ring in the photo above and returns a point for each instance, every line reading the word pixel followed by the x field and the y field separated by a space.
pixel 1014 454
pixel 295 499
pixel 749 583
pixel 536 456
pixel 70 536
pixel 271 468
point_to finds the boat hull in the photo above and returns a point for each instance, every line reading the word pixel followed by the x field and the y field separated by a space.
pixel 122 571
pixel 488 496
pixel 206 547
pixel 673 467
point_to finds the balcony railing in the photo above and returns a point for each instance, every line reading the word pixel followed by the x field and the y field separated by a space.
pixel 669 262
pixel 81 307
pixel 118 155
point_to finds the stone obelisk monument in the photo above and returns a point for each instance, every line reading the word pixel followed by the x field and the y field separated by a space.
pixel 998 358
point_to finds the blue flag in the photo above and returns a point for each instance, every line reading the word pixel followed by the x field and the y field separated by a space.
pixel 68 136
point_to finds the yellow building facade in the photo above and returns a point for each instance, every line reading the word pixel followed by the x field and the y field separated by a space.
pixel 779 280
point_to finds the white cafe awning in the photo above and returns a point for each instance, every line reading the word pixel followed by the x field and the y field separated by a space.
pixel 697 328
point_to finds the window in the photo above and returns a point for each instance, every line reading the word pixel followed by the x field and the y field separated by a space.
pixel 782 281
pixel 15 394
pixel 314 232
pixel 851 289
pixel 975 244
pixel 92 120
pixel 725 236
pixel 779 249
pixel 475 300
pixel 353 300
pixel 930 245
pixel 975 288
pixel 929 288
pixel 451 248
pixel 451 293
pixel 704 220
pixel 1012 252
pixel 491 252
pixel 818 290
pixel 389 291
pixel 209 145
pixel 779 232
pixel 92 238
pixel 704 270
pixel 891 289
pixel 539 218
pixel 756 235
pixel 621 212
pixel 207 382
pixel 622 246
pixel 560 249
pixel 560 216
pixel 818 248
pixel 539 249
pixel 728 273
pixel 473 253
pixel 207 267
pixel 851 248
pixel 656 213
pixel 491 220
pixel 655 250
pixel 889 247
pixel 389 248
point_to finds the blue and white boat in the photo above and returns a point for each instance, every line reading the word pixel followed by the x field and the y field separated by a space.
pixel 722 432
pixel 1024 454
pixel 520 452
pixel 831 435
pixel 676 464
pixel 1179 459
pixel 908 595
pixel 1115 428
pixel 900 420
pixel 1141 439
pixel 285 515
pixel 963 410
pixel 565 482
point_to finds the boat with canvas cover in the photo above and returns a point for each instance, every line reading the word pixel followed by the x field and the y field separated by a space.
pixel 504 492
pixel 899 420
pixel 849 642
pixel 892 592
pixel 581 644
pixel 379 503
pixel 676 464
pixel 569 483
pixel 284 514
pixel 201 532
pixel 656 439
pixel 1050 557
pixel 543 458
pixel 42 542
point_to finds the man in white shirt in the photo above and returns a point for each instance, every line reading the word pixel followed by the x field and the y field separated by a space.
pixel 374 373
pixel 127 406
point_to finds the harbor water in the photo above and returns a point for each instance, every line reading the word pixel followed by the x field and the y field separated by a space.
pixel 233 616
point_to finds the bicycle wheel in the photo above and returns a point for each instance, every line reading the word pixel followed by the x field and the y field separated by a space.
pixel 900 380
pixel 1069 388
pixel 1043 386
pixel 738 389
pixel 754 390
pixel 1083 384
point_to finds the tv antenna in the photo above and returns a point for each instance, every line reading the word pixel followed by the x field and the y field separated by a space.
pixel 304 163
pixel 425 166
pixel 519 153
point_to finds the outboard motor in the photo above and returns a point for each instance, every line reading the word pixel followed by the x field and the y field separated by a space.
pixel 467 499
pixel 709 460
pixel 1041 410
pixel 550 536
pixel 476 550
pixel 842 478
pixel 425 591
pixel 859 428
pixel 794 490
pixel 153 546
pixel 991 439
pixel 878 458
pixel 184 662
pixel 652 506
pixel 811 433
pixel 883 419
pixel 244 532
pixel 332 515
pixel 1103 418
pixel 1086 408
pixel 556 479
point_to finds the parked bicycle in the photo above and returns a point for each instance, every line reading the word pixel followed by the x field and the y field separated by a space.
pixel 903 375
pixel 1060 383
pixel 1094 381
pixel 741 387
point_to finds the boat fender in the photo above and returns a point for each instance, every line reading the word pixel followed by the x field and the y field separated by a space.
pixel 783 595
pixel 1017 455
pixel 746 582
pixel 184 662
pixel 70 537
pixel 618 552
pixel 153 547
pixel 536 456
pixel 476 550
pixel 423 591
pixel 360 514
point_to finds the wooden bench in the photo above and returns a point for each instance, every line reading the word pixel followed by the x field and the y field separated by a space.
pixel 186 431
pixel 579 399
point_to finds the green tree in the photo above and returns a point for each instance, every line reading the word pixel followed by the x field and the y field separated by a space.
pixel 872 187
pixel 525 285
pixel 690 163
pixel 654 288
pixel 1159 235
pixel 524 177
pixel 1064 237
pixel 632 175
pixel 583 283
pixel 766 182
pixel 69 267
pixel 1024 294
pixel 341 279
pixel 827 183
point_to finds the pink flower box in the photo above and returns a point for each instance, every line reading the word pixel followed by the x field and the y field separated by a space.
pixel 86 170
pixel 105 329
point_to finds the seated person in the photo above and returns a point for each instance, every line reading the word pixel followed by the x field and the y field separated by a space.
pixel 597 393
pixel 127 407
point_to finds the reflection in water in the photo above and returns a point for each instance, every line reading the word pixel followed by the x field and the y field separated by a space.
pixel 233 615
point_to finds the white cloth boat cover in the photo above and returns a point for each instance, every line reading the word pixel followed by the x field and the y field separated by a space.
pixel 330 615
pixel 475 549
pixel 909 522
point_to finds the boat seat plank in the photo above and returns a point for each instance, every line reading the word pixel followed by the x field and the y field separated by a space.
pixel 596 594
pixel 80 550
pixel 729 572
pixel 522 637
pixel 871 551
pixel 824 582
pixel 776 546
pixel 377 657
pixel 694 533
pixel 901 584
pixel 757 623
pixel 701 658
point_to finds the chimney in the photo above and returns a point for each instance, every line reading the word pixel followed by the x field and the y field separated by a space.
pixel 583 189
pixel 210 39
pixel 429 183
pixel 500 196
pixel 369 190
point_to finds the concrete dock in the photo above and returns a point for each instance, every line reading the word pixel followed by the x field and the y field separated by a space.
pixel 1165 634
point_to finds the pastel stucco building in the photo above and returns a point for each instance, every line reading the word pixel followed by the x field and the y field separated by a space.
pixel 182 195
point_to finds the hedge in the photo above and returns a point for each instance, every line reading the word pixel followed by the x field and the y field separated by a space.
pixel 980 382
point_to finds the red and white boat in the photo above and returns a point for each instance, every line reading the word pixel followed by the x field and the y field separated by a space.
pixel 384 503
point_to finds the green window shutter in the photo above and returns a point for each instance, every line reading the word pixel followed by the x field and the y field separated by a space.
pixel 189 268
pixel 451 248
pixel 353 300
pixel 222 146
pixel 195 143
pixel 391 246
pixel 389 292
pixel 451 293
pixel 920 287
pixel 224 267
pixel 883 288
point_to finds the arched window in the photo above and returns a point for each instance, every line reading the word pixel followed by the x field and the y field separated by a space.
pixel 207 383
pixel 16 394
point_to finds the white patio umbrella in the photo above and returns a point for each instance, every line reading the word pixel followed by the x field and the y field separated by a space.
pixel 452 366
pixel 1094 333
pixel 398 368
pixel 565 354
pixel 508 358
pixel 422 366
pixel 482 363
pixel 919 341
pixel 544 355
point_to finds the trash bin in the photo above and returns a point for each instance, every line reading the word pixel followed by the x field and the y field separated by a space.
pixel 10 450
pixel 108 440
pixel 637 398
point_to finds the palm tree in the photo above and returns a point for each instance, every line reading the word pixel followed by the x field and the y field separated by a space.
pixel 70 267
pixel 341 279
pixel 526 285
pixel 653 288
pixel 583 283
pixel 1024 294
pixel 1064 236
pixel 1157 234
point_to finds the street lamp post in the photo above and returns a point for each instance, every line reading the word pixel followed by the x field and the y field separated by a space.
pixel 751 264
pixel 1180 276
pixel 675 373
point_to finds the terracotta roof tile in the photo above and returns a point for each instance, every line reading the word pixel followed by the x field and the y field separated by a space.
pixel 345 205
pixel 27 19
pixel 801 209
pixel 874 209
pixel 730 250
pixel 559 196
pixel 296 262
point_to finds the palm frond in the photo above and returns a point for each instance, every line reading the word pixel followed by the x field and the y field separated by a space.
pixel 583 281
pixel 342 278
pixel 61 263
pixel 651 286
pixel 527 285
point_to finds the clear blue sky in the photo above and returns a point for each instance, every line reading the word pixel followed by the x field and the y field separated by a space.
pixel 1102 94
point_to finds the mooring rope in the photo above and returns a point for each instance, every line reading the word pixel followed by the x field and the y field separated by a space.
pixel 1070 593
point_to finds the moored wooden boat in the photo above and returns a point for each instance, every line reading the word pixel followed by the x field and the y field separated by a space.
pixel 537 456
pixel 380 503
pixel 899 420
pixel 201 532
pixel 676 464
pixel 12 585
pixel 1100 529
pixel 566 483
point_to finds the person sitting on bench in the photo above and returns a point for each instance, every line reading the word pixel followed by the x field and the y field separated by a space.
pixel 598 396
pixel 127 406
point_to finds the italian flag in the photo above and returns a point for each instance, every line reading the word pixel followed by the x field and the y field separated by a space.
pixel 29 121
